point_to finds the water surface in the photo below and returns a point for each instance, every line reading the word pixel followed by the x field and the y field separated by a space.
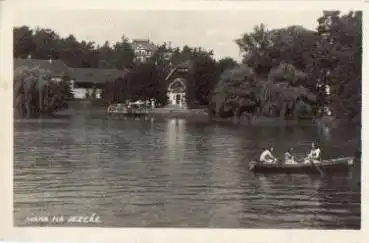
pixel 175 173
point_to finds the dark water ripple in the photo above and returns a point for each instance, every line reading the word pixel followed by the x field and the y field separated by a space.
pixel 136 173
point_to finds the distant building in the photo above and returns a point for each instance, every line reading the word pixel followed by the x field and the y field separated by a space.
pixel 143 49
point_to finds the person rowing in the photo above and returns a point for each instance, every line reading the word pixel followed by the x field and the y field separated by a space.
pixel 288 157
pixel 267 156
pixel 314 155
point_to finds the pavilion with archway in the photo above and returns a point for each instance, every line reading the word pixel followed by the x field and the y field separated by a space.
pixel 176 93
pixel 177 85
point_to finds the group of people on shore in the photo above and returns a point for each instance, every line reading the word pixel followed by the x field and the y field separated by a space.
pixel 313 156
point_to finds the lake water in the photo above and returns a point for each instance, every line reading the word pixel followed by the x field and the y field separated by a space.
pixel 175 173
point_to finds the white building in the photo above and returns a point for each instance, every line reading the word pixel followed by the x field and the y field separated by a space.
pixel 143 49
pixel 177 93
pixel 177 85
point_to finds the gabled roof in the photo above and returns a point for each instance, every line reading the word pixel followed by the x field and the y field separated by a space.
pixel 97 75
pixel 146 44
pixel 183 65
pixel 57 67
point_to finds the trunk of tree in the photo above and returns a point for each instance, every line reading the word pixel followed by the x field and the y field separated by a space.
pixel 236 112
pixel 18 106
pixel 28 108
pixel 283 110
pixel 295 113
pixel 40 99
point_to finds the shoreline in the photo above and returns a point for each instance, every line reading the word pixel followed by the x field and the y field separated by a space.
pixel 190 114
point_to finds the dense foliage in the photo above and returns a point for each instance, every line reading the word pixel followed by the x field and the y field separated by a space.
pixel 36 94
pixel 336 62
pixel 141 83
pixel 285 72
pixel 46 44
pixel 145 81
pixel 240 90
pixel 295 67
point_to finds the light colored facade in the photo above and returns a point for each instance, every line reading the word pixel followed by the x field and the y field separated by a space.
pixel 88 81
pixel 143 49
pixel 177 93
pixel 83 93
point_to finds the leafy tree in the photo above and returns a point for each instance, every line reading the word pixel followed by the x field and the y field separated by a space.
pixel 205 74
pixel 336 62
pixel 255 47
pixel 226 63
pixel 46 44
pixel 124 54
pixel 241 90
pixel 293 45
pixel 88 55
pixel 235 92
pixel 116 92
pixel 144 82
pixel 105 56
pixel 264 48
pixel 23 42
pixel 36 94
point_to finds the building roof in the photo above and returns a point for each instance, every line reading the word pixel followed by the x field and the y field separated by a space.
pixel 57 67
pixel 97 75
pixel 145 43
pixel 183 65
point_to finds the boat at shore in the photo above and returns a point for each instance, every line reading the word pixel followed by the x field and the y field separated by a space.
pixel 329 166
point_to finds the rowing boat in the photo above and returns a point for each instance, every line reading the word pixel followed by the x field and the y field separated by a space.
pixel 340 165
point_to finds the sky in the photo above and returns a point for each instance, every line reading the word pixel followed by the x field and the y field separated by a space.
pixel 210 29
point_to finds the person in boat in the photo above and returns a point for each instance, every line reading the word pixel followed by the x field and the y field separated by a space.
pixel 314 155
pixel 288 157
pixel 267 156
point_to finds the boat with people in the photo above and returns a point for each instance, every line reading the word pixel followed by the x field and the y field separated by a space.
pixel 311 164
pixel 328 166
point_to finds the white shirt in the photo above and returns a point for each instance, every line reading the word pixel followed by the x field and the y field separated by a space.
pixel 314 153
pixel 266 155
pixel 288 156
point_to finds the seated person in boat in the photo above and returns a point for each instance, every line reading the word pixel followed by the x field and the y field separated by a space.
pixel 267 156
pixel 314 155
pixel 288 157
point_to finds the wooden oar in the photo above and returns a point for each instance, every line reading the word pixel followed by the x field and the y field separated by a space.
pixel 317 167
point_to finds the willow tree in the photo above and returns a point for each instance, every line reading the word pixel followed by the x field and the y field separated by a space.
pixel 35 93
pixel 283 92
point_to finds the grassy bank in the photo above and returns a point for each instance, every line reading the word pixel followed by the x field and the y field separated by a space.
pixel 262 121
pixel 277 121
pixel 86 108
